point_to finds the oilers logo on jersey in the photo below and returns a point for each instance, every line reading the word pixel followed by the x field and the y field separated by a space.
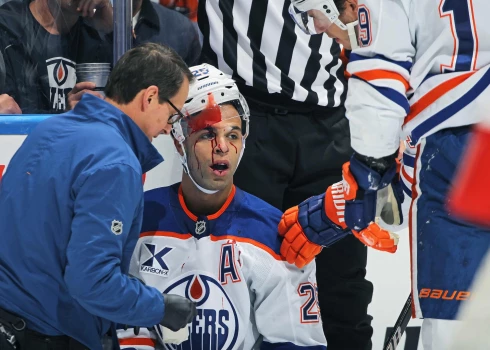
pixel 216 325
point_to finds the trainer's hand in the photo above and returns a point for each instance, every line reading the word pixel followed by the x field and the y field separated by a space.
pixel 75 95
pixel 179 312
pixel 316 223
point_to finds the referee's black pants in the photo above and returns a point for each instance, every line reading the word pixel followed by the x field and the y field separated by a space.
pixel 291 154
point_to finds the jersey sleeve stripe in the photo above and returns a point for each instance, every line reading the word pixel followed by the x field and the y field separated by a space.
pixel 376 74
pixel 408 160
pixel 434 94
pixel 407 191
pixel 137 341
pixel 406 175
pixel 247 240
pixel 390 94
pixel 452 109
pixel 165 234
pixel 407 65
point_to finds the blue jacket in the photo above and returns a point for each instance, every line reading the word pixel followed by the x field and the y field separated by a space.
pixel 71 205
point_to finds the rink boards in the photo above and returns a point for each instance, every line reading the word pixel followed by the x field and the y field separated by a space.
pixel 389 273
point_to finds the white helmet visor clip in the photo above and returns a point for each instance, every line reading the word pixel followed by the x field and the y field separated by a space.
pixel 317 16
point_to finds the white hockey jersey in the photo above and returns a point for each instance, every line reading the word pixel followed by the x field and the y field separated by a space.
pixel 229 264
pixel 422 65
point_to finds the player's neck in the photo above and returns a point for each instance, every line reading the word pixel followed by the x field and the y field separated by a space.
pixel 200 203
pixel 51 17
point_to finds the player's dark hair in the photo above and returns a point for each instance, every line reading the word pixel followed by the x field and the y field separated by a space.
pixel 340 5
pixel 143 66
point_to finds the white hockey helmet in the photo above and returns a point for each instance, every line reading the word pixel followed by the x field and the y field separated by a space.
pixel 210 89
pixel 325 12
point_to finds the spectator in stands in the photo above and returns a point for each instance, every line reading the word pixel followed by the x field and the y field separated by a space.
pixel 8 105
pixel 43 43
pixel 42 40
pixel 155 23
pixel 186 7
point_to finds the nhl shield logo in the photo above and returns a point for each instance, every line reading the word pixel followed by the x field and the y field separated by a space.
pixel 117 227
pixel 200 227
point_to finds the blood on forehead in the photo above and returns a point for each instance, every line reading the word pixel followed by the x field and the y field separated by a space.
pixel 207 117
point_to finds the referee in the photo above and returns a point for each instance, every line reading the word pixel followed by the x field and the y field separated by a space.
pixel 299 137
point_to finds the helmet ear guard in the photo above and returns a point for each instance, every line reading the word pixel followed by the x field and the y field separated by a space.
pixel 304 12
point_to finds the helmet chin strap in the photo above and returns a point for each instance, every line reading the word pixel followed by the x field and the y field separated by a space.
pixel 351 30
pixel 183 160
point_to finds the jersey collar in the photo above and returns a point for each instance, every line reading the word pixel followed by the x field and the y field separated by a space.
pixel 209 217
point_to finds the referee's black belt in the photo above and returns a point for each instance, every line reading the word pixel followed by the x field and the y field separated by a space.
pixel 281 105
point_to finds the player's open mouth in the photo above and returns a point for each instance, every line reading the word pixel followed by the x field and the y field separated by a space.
pixel 220 167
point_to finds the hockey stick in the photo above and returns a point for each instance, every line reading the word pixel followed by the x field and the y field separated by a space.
pixel 400 325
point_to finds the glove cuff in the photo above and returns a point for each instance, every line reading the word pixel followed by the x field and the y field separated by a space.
pixel 367 178
pixel 334 205
pixel 379 165
pixel 318 228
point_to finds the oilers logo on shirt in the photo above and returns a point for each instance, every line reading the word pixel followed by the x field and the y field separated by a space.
pixel 62 78
pixel 216 325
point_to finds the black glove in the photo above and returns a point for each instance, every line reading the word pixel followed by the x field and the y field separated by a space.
pixel 179 312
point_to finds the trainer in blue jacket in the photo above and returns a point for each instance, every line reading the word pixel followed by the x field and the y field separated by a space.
pixel 71 204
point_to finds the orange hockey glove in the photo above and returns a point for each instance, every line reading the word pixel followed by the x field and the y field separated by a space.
pixel 315 223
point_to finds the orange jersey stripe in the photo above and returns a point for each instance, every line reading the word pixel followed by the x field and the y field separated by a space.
pixel 225 206
pixel 370 75
pixel 166 234
pixel 210 217
pixel 137 341
pixel 406 176
pixel 435 94
pixel 475 32
pixel 247 240
pixel 184 206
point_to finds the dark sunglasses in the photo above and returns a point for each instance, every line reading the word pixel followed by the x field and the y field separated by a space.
pixel 174 118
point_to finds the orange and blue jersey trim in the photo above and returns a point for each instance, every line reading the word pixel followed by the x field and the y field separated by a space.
pixel 434 94
pixel 250 241
pixel 245 217
pixel 209 217
pixel 138 342
pixel 215 238
pixel 450 110
pixel 369 76
pixel 407 65
pixel 389 93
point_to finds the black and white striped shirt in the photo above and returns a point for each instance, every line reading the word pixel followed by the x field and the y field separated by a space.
pixel 258 43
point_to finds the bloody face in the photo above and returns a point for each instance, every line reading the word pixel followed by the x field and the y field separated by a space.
pixel 213 145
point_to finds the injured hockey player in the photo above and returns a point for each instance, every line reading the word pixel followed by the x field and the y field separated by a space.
pixel 209 241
